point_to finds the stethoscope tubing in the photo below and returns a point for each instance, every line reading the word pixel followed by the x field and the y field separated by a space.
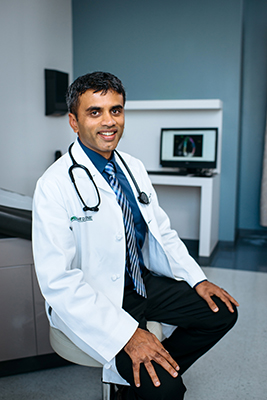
pixel 142 196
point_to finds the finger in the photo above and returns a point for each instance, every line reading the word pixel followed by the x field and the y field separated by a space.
pixel 170 361
pixel 228 304
pixel 166 365
pixel 231 298
pixel 227 299
pixel 212 305
pixel 163 358
pixel 136 374
pixel 152 373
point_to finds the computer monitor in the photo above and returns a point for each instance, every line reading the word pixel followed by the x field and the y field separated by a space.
pixel 191 149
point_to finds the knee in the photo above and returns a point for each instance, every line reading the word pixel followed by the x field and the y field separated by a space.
pixel 170 388
pixel 175 391
pixel 230 318
pixel 226 319
pixel 233 317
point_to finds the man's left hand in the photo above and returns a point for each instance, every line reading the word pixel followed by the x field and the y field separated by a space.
pixel 208 289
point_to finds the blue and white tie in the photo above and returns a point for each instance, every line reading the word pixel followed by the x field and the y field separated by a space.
pixel 132 266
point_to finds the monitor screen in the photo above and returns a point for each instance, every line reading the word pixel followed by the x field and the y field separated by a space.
pixel 190 148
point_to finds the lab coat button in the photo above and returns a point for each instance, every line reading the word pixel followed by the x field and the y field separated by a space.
pixel 107 366
pixel 114 277
pixel 119 237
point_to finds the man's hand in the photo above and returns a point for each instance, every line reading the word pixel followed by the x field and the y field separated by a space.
pixel 143 347
pixel 207 289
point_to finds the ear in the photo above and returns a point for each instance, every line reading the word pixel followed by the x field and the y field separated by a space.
pixel 73 122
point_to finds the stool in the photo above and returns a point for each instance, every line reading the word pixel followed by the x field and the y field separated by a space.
pixel 66 349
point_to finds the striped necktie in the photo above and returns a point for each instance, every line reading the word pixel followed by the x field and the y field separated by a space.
pixel 132 265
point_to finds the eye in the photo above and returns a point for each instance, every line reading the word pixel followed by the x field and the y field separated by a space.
pixel 94 113
pixel 116 111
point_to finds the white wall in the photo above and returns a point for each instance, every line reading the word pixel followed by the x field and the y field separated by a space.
pixel 35 34
pixel 143 123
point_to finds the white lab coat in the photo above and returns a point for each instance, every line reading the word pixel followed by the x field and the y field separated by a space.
pixel 80 256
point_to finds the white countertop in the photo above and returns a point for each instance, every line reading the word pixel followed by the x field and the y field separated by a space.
pixel 15 200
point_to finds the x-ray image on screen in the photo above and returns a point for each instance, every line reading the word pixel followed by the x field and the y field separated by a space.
pixel 187 146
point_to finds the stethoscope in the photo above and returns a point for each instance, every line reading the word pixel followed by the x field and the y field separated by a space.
pixel 142 196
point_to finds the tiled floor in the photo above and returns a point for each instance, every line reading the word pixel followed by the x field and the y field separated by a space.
pixel 248 254
pixel 235 369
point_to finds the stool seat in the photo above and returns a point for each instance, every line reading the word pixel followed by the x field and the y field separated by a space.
pixel 66 349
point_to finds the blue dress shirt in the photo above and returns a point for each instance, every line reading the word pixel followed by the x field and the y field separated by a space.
pixel 139 223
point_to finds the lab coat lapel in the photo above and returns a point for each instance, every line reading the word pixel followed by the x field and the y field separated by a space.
pixel 136 173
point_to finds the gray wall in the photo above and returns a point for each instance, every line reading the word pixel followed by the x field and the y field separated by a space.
pixel 34 35
pixel 171 49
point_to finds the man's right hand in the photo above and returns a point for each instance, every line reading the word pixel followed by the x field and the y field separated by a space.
pixel 143 347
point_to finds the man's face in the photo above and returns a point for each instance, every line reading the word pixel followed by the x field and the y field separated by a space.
pixel 100 121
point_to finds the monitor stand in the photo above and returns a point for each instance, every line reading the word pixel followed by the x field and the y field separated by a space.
pixel 170 171
pixel 201 172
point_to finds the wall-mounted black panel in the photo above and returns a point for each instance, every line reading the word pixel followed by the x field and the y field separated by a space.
pixel 56 85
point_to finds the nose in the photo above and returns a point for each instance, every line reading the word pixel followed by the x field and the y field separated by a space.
pixel 107 119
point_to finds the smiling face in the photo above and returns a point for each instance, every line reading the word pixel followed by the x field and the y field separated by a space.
pixel 100 121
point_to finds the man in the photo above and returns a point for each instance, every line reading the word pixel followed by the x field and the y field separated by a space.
pixel 106 269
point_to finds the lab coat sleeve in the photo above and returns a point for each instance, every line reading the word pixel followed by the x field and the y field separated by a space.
pixel 88 315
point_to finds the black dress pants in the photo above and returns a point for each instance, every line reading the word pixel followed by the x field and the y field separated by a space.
pixel 199 328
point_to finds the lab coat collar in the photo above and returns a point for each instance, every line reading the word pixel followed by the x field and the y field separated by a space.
pixel 97 159
pixel 81 158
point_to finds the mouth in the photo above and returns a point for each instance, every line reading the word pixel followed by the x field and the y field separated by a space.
pixel 108 135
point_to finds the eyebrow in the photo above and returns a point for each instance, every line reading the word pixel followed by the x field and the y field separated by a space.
pixel 96 108
pixel 118 106
pixel 93 108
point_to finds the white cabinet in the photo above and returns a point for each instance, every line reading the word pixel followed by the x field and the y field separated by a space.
pixel 17 333
pixel 209 205
pixel 24 326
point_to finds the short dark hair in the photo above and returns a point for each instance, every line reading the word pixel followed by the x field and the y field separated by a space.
pixel 97 81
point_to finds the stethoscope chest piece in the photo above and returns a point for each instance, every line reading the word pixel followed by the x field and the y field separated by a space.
pixel 143 198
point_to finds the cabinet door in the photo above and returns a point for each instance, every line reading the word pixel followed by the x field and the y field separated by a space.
pixel 42 324
pixel 17 331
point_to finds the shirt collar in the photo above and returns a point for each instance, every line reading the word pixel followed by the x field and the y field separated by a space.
pixel 99 161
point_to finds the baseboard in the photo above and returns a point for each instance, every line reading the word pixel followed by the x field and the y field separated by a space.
pixel 252 232
pixel 31 364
